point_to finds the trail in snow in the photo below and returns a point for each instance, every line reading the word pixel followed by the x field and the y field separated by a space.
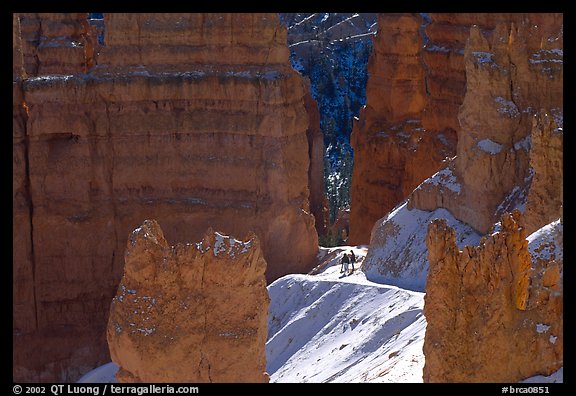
pixel 330 327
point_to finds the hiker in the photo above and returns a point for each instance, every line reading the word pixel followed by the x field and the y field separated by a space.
pixel 344 263
pixel 352 259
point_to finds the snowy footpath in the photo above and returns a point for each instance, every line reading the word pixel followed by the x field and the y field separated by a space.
pixel 332 327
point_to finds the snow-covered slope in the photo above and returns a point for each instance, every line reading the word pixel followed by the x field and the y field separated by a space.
pixel 547 242
pixel 398 254
pixel 556 377
pixel 105 374
pixel 335 328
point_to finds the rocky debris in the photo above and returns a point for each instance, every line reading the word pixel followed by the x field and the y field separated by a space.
pixel 494 311
pixel 216 143
pixel 545 198
pixel 190 313
pixel 393 152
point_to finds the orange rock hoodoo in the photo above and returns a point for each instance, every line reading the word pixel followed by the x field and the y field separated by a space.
pixel 545 198
pixel 493 313
pixel 197 120
pixel 190 313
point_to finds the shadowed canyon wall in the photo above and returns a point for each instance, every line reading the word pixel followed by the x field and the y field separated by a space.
pixel 196 120
pixel 318 200
pixel 190 313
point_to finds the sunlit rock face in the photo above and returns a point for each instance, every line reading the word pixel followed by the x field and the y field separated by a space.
pixel 196 120
pixel 494 311
pixel 190 313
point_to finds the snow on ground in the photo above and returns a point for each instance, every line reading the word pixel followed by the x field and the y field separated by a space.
pixel 547 242
pixel 331 327
pixel 446 178
pixel 398 254
pixel 105 374
pixel 489 146
pixel 556 377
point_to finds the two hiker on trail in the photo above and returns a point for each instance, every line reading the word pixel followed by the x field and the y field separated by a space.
pixel 347 259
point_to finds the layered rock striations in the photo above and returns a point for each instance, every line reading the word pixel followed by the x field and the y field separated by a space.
pixel 495 311
pixel 511 76
pixel 190 312
pixel 196 120
pixel 60 43
pixel 393 152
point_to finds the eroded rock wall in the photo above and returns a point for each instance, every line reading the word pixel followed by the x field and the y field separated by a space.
pixel 393 152
pixel 57 43
pixel 545 198
pixel 494 311
pixel 196 120
pixel 190 313
pixel 515 65
pixel 512 75
pixel 443 55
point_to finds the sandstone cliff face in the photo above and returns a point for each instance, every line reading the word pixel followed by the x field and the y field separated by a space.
pixel 190 313
pixel 510 75
pixel 393 152
pixel 196 120
pixel 56 43
pixel 545 198
pixel 318 200
pixel 443 55
pixel 494 313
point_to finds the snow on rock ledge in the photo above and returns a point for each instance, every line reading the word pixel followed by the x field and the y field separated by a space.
pixel 190 313
pixel 398 253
